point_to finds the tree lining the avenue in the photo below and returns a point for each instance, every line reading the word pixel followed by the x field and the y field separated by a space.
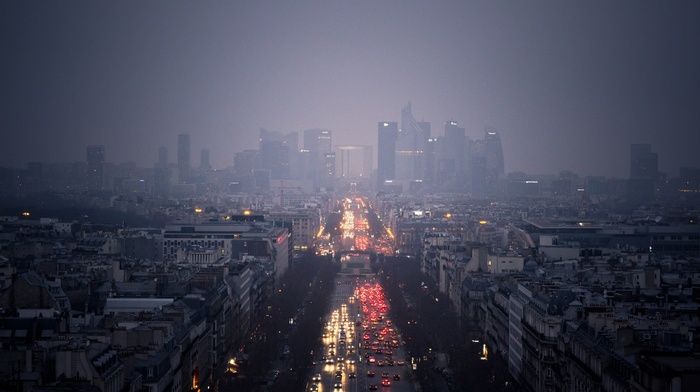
pixel 429 325
pixel 303 294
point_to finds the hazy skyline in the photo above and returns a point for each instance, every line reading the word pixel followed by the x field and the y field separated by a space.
pixel 569 85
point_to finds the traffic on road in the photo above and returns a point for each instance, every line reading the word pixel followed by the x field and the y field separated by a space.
pixel 361 347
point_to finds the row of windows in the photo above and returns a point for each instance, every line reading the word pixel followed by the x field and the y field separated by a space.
pixel 209 243
pixel 676 238
pixel 501 262
pixel 189 236
pixel 676 248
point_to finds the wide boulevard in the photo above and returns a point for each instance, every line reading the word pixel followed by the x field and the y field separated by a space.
pixel 361 347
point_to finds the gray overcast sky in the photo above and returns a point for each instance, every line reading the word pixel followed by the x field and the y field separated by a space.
pixel 569 84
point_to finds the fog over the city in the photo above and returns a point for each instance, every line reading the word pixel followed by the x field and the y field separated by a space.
pixel 568 84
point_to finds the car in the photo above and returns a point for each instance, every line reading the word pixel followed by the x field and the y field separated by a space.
pixel 386 382
pixel 397 377
pixel 316 377
pixel 380 363
pixel 337 385
pixel 400 362
pixel 372 387
pixel 338 374
pixel 370 373
pixel 352 375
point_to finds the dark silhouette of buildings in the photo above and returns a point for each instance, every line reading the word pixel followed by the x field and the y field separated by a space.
pixel 387 133
pixel 95 167
pixel 411 147
pixel 487 165
pixel 452 158
pixel 204 164
pixel 162 157
pixel 317 143
pixel 278 153
pixel 644 172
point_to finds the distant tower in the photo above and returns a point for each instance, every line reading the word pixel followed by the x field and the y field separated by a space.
pixel 486 161
pixel 452 159
pixel 246 162
pixel 643 163
pixel 644 172
pixel 411 161
pixel 95 167
pixel 161 180
pixel 278 153
pixel 204 164
pixel 317 143
pixel 387 132
pixel 162 157
pixel 494 151
pixel 183 157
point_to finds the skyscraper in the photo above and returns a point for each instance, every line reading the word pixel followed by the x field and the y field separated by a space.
pixel 278 153
pixel 486 163
pixel 644 171
pixel 204 164
pixel 318 143
pixel 162 157
pixel 452 157
pixel 95 167
pixel 183 157
pixel 161 180
pixel 245 163
pixel 643 163
pixel 494 151
pixel 387 132
pixel 411 145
